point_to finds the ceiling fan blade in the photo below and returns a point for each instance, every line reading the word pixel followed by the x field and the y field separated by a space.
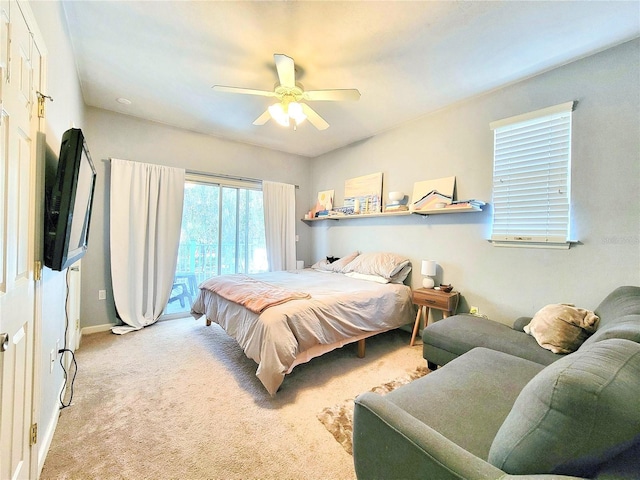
pixel 246 91
pixel 332 95
pixel 262 119
pixel 286 70
pixel 313 117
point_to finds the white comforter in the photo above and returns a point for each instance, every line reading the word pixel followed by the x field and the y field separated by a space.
pixel 340 308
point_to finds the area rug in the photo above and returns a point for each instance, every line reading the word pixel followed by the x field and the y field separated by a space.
pixel 338 420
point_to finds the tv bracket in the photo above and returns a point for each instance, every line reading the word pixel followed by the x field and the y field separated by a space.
pixel 41 99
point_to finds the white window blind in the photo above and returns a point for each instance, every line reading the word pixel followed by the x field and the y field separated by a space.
pixel 532 177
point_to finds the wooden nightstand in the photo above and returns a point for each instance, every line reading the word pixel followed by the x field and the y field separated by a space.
pixel 427 298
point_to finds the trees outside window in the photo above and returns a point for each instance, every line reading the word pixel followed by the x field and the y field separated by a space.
pixel 222 233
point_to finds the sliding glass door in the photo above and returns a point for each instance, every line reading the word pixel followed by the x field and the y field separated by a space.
pixel 222 232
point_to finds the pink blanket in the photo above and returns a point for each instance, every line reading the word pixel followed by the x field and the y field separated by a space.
pixel 252 294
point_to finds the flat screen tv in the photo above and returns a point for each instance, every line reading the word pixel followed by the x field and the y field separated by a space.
pixel 69 202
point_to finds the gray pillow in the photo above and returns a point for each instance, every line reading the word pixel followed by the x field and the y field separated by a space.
pixel 581 406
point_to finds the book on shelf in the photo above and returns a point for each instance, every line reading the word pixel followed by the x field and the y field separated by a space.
pixel 429 201
pixel 396 208
pixel 466 204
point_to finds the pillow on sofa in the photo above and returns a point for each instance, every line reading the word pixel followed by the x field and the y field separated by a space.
pixel 391 266
pixel 562 328
pixel 575 413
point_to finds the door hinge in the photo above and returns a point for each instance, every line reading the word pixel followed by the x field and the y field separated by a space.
pixel 34 434
pixel 37 271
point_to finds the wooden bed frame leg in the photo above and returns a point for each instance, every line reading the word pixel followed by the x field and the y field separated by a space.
pixel 361 348
pixel 208 322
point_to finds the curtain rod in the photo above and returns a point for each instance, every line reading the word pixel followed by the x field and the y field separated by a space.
pixel 218 175
pixel 228 177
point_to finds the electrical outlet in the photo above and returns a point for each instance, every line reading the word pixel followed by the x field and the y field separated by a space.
pixel 52 360
pixel 102 294
pixel 474 310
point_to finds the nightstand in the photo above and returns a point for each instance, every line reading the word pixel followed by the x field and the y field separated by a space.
pixel 426 298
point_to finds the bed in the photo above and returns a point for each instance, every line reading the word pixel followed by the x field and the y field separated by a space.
pixel 283 319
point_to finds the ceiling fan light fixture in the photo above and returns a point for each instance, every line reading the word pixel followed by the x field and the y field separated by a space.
pixel 283 112
pixel 278 113
pixel 295 112
pixel 289 93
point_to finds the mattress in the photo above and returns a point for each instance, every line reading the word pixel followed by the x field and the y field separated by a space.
pixel 340 310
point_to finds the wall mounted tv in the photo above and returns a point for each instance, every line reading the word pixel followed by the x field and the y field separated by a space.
pixel 69 202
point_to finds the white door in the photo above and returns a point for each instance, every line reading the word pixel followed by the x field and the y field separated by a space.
pixel 20 72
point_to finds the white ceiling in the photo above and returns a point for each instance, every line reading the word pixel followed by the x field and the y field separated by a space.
pixel 407 58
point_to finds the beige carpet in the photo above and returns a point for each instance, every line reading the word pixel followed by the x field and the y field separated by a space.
pixel 338 419
pixel 179 400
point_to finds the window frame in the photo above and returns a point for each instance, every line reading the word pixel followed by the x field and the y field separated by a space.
pixel 223 182
pixel 538 176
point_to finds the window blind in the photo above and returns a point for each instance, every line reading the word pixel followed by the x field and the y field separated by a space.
pixel 532 177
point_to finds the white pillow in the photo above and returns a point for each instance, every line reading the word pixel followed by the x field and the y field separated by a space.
pixel 383 264
pixel 371 278
pixel 401 275
pixel 337 266
pixel 322 265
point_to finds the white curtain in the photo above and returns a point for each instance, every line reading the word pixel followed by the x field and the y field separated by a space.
pixel 146 213
pixel 279 200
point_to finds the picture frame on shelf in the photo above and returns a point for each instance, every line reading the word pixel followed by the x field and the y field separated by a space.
pixel 364 194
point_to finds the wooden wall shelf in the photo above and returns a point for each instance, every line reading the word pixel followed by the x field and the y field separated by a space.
pixel 424 213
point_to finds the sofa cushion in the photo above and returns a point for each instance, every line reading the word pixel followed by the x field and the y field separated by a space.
pixel 627 327
pixel 456 335
pixel 619 303
pixel 468 399
pixel 561 328
pixel 581 407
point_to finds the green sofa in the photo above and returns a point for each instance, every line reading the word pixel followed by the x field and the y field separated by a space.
pixel 498 412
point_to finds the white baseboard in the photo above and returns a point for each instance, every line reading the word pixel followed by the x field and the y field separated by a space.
pixel 45 436
pixel 95 329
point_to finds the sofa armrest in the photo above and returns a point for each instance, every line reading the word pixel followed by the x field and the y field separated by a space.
pixel 520 323
pixel 389 443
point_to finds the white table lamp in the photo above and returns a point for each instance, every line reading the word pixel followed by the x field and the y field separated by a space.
pixel 428 271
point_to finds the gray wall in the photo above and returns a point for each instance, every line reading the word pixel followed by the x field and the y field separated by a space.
pixel 113 135
pixel 66 109
pixel 508 282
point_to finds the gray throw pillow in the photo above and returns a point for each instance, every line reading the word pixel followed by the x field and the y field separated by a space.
pixel 581 406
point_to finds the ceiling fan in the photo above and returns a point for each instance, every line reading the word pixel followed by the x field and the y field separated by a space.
pixel 290 95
